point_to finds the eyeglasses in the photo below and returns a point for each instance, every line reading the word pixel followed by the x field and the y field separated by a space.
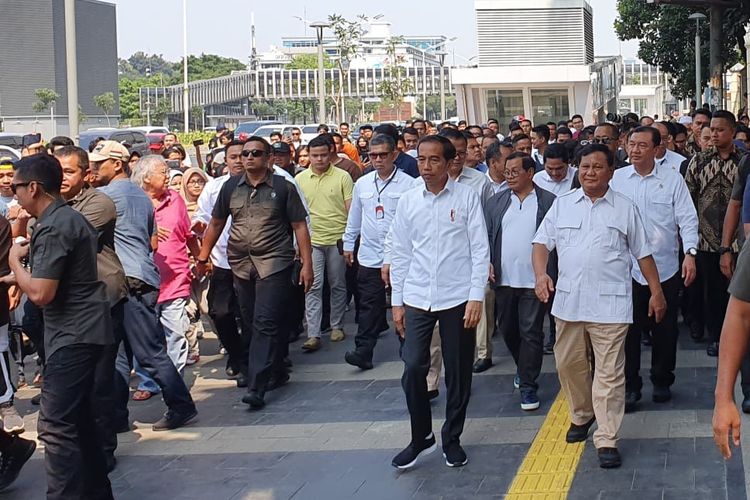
pixel 379 155
pixel 196 182
pixel 255 153
pixel 295 133
pixel 603 140
pixel 511 174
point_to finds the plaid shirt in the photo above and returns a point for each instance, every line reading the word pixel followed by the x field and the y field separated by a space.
pixel 710 179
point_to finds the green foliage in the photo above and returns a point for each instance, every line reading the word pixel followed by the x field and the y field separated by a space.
pixel 396 85
pixel 140 64
pixel 44 98
pixel 309 61
pixel 667 38
pixel 348 35
pixel 206 66
pixel 105 102
pixel 433 106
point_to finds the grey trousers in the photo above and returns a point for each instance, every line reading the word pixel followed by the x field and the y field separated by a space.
pixel 326 259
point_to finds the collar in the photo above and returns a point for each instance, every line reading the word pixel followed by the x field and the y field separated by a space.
pixel 393 177
pixel 734 155
pixel 83 194
pixel 267 180
pixel 331 166
pixel 449 186
pixel 568 175
pixel 57 203
pixel 609 196
pixel 654 172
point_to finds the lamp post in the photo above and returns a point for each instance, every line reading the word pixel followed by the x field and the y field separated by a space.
pixel 319 26
pixel 442 55
pixel 698 17
pixel 71 68
pixel 424 71
pixel 185 104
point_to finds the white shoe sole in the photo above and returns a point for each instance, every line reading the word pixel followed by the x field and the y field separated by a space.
pixel 529 407
pixel 517 386
pixel 455 464
pixel 411 464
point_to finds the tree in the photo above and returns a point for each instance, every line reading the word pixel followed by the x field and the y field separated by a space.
pixel 396 86
pixel 44 99
pixel 206 66
pixel 105 102
pixel 348 34
pixel 667 39
pixel 309 61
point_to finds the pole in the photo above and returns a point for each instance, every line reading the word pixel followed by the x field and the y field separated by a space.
pixel 442 88
pixel 716 66
pixel 148 107
pixel 53 127
pixel 424 87
pixel 321 79
pixel 747 87
pixel 185 105
pixel 71 67
pixel 698 64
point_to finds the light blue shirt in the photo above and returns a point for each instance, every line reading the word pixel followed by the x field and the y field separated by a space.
pixel 133 231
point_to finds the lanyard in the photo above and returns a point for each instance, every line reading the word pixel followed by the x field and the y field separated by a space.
pixel 388 181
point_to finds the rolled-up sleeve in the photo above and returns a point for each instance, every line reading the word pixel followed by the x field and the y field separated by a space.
pixel 637 239
pixel 546 234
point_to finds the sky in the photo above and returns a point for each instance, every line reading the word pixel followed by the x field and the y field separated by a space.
pixel 222 27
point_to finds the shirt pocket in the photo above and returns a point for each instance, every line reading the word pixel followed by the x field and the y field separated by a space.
pixel 614 298
pixel 662 211
pixel 614 236
pixel 236 203
pixel 569 231
pixel 563 289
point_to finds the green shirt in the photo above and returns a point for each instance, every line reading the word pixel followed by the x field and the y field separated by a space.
pixel 326 197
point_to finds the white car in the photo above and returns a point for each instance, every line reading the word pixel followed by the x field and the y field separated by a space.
pixel 151 130
pixel 310 132
pixel 266 130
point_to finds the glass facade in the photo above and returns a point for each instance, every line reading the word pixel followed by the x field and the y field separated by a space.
pixel 503 105
pixel 549 105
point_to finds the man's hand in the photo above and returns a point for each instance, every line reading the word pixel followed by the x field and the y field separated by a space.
pixel 726 425
pixel 163 233
pixel 492 274
pixel 726 264
pixel 349 258
pixel 198 227
pixel 203 268
pixel 657 306
pixel 306 276
pixel 19 250
pixel 14 296
pixel 399 313
pixel 688 269
pixel 473 313
pixel 544 287
pixel 385 275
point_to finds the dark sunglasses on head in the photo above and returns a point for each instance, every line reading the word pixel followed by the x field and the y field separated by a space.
pixel 255 153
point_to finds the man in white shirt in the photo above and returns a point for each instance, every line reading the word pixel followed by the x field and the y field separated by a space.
pixel 539 143
pixel 665 157
pixel 595 230
pixel 438 231
pixel 558 176
pixel 668 213
pixel 374 203
pixel 495 156
pixel 223 307
pixel 512 220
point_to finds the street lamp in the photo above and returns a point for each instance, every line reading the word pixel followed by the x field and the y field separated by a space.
pixel 319 26
pixel 442 55
pixel 424 71
pixel 698 17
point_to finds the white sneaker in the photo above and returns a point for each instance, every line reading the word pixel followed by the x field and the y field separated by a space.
pixel 12 421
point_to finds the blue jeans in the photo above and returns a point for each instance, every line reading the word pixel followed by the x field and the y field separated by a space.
pixel 144 338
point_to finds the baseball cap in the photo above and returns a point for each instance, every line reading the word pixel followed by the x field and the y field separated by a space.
pixel 281 148
pixel 106 150
pixel 221 127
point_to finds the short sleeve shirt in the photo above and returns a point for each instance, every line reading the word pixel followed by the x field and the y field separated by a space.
pixel 326 197
pixel 739 288
pixel 171 256
pixel 64 248
pixel 260 237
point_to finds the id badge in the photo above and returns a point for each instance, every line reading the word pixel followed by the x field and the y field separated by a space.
pixel 379 212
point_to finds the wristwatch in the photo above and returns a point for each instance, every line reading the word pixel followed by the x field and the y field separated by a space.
pixel 692 251
pixel 202 261
pixel 723 250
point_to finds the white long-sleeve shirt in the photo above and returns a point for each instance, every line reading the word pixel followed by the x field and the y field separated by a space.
pixel 668 212
pixel 439 254
pixel 671 159
pixel 544 181
pixel 374 203
pixel 206 202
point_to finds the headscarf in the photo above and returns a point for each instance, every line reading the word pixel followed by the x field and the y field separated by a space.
pixel 192 204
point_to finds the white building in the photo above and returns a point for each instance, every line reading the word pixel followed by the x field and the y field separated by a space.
pixel 645 90
pixel 536 59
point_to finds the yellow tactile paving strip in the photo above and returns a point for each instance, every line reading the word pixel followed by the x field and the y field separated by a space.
pixel 547 471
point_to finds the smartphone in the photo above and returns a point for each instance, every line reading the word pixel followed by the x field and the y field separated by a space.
pixel 30 139
pixel 173 164
pixel 198 142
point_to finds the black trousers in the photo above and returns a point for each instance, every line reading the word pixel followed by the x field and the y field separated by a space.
pixel 663 338
pixel 371 310
pixel 520 319
pixel 109 416
pixel 33 326
pixel 263 308
pixel 714 289
pixel 74 456
pixel 458 357
pixel 224 310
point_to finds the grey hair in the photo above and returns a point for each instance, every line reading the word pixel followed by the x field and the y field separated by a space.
pixel 145 167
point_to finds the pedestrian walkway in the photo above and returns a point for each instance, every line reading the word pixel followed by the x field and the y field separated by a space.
pixel 332 432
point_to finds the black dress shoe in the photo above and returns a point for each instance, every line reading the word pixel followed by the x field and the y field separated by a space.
pixel 241 380
pixel 173 420
pixel 746 404
pixel 609 458
pixel 36 400
pixel 631 400
pixel 356 359
pixel 713 349
pixel 433 394
pixel 578 433
pixel 254 399
pixel 696 331
pixel 482 365
pixel 661 394
pixel 277 381
pixel 646 339
pixel 549 348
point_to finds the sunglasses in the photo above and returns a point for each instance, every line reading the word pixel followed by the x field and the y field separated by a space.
pixel 255 153
pixel 379 155
pixel 603 140
pixel 14 186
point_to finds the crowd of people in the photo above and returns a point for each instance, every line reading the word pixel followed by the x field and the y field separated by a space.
pixel 602 235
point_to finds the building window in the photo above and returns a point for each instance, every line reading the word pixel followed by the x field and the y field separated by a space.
pixel 549 105
pixel 503 105
pixel 640 106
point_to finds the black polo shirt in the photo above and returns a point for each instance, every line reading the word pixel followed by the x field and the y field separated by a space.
pixel 100 211
pixel 260 238
pixel 63 248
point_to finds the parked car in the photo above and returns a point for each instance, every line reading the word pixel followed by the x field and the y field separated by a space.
pixel 152 130
pixel 310 132
pixel 12 140
pixel 266 130
pixel 136 138
pixel 156 141
pixel 245 129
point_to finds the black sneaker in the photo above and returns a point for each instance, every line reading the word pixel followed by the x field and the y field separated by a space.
pixel 356 359
pixel 661 394
pixel 455 456
pixel 578 433
pixel 609 458
pixel 241 380
pixel 18 453
pixel 408 457
pixel 173 420
pixel 631 400
pixel 254 399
